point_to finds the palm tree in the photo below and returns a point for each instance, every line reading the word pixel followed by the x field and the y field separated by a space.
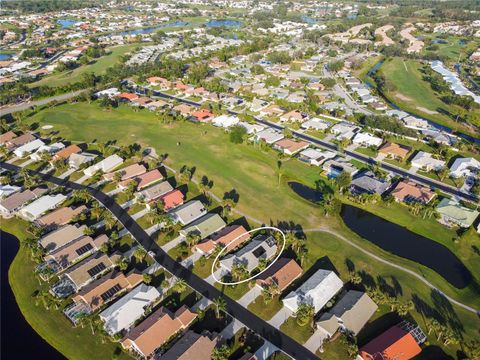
pixel 179 286
pixel 433 325
pixel 139 254
pixel 220 306
pixel 192 238
pixel 81 194
pixel 96 210
pixel 279 170
pixel 147 278
pixel 355 278
pixel 109 220
pixel 304 314
pixel 239 271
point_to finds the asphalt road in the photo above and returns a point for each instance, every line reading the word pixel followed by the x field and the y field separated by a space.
pixel 363 158
pixel 253 322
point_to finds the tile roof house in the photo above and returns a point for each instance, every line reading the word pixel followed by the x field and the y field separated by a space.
pixel 224 237
pixel 157 329
pixel 142 101
pixel 452 213
pixel 143 180
pixel 106 165
pixel 393 344
pixel 19 141
pixel 184 109
pixel 127 172
pixel 77 160
pixel 7 190
pixel 261 247
pixel 350 313
pixel 127 96
pixel 6 137
pixel 40 206
pixel 106 289
pixel 66 152
pixel 202 115
pixel 76 250
pixel 409 191
pixel 13 203
pixel 272 110
pixel 294 115
pixel 317 291
pixel 205 226
pixel 367 182
pixel 188 212
pixel 123 313
pixel 62 236
pixel 172 199
pixel 463 167
pixel 283 272
pixel 315 156
pixel 290 146
pixel 424 160
pixel 154 192
pixel 394 151
pixel 192 346
pixel 60 216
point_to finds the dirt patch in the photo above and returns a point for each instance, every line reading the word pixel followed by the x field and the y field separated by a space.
pixel 402 97
pixel 427 111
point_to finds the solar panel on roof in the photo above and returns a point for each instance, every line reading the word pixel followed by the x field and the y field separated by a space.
pixel 96 269
pixel 110 292
pixel 84 249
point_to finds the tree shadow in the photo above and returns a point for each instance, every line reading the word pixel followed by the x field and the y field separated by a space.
pixel 232 195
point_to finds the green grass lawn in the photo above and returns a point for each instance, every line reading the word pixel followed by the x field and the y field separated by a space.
pixel 265 311
pixel 295 331
pixel 367 151
pixel 98 67
pixel 415 95
pixel 52 325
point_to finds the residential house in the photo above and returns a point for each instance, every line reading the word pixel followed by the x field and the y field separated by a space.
pixel 100 292
pixel 350 314
pixel 48 149
pixel 122 314
pixel 172 199
pixel 251 128
pixel 261 247
pixel 144 180
pixel 269 135
pixel 105 166
pixel 28 148
pixel 315 156
pixel 394 151
pixel 157 329
pixel 110 93
pixel 40 206
pixel 202 115
pixel 290 146
pixel 127 97
pixel 452 213
pixel 316 291
pixel 367 182
pixel 142 101
pixel 159 81
pixel 7 190
pixel 334 167
pixel 75 161
pixel 205 226
pixel 409 191
pixel 62 236
pixel 344 130
pixel 10 205
pixel 230 236
pixel 282 273
pixel 60 216
pixel 425 161
pixel 294 115
pixel 75 250
pixel 154 192
pixel 368 140
pixel 89 269
pixel 188 212
pixel 465 167
pixel 192 346
pixel 6 137
pixel 415 122
pixel 257 105
pixel 395 343
pixel 157 104
pixel 17 141
pixel 316 124
pixel 272 110
pixel 65 153
pixel 225 121
pixel 126 172
pixel 184 109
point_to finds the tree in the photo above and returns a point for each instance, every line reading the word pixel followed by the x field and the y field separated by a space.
pixel 403 308
pixel 221 353
pixel 237 134
pixel 109 220
pixel 147 278
pixel 96 210
pixel 122 263
pixel 330 204
pixel 239 271
pixel 192 238
pixel 355 278
pixel 179 286
pixel 343 180
pixel 139 254
pixel 81 195
pixel 304 314
pixel 220 306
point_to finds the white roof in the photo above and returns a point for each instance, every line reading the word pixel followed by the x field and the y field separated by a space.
pixel 251 128
pixel 123 313
pixel 270 135
pixel 189 211
pixel 462 165
pixel 6 190
pixel 424 159
pixel 317 291
pixel 29 147
pixel 225 120
pixel 105 165
pixel 316 123
pixel 42 205
pixel 366 138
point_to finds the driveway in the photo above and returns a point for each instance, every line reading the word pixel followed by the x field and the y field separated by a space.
pixel 250 296
pixel 316 340
pixel 171 244
pixel 279 318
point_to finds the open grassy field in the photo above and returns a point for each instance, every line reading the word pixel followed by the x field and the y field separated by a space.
pixel 73 343
pixel 98 67
pixel 253 174
pixel 455 47
pixel 413 94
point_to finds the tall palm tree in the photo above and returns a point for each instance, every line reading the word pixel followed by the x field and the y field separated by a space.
pixel 179 286
pixel 109 220
pixel 139 254
pixel 220 306
pixel 96 210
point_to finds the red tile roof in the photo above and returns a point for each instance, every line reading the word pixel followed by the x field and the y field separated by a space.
pixel 127 96
pixel 172 199
pixel 283 272
pixel 202 114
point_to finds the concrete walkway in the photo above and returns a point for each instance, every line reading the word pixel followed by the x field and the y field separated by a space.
pixel 218 274
pixel 250 296
pixel 171 244
pixel 231 329
pixel 114 192
pixel 152 229
pixel 266 350
pixel 202 304
pixel 316 340
pixel 139 214
pixel 67 173
pixel 280 317
pixel 82 179
pixel 192 259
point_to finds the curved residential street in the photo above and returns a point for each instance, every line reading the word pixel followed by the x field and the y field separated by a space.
pixel 256 324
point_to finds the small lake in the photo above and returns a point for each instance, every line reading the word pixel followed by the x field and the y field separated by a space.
pixel 66 23
pixel 5 56
pixel 225 22
pixel 19 340
pixel 150 29
pixel 404 243
pixel 305 192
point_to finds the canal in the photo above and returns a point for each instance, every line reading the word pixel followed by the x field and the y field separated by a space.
pixel 18 340
pixel 397 239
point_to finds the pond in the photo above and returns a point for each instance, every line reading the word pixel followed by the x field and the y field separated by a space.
pixel 19 340
pixel 150 29
pixel 5 56
pixel 224 22
pixel 66 23
pixel 305 192
pixel 404 243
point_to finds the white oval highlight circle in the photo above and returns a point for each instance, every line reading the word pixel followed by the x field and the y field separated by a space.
pixel 254 276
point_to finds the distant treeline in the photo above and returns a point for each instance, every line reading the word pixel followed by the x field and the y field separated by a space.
pixel 40 6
